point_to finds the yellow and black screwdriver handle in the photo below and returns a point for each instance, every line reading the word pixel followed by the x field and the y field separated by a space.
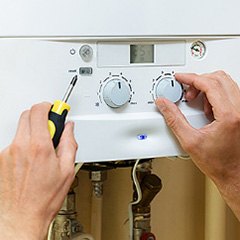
pixel 56 122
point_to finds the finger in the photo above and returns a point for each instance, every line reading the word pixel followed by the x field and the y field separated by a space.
pixel 23 130
pixel 39 121
pixel 192 79
pixel 175 120
pixel 222 81
pixel 232 89
pixel 235 97
pixel 192 93
pixel 203 83
pixel 66 150
pixel 213 89
pixel 207 105
pixel 229 86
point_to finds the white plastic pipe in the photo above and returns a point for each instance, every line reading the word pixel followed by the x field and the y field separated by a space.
pixel 215 213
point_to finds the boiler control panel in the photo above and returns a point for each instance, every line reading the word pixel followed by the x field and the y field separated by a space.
pixel 113 103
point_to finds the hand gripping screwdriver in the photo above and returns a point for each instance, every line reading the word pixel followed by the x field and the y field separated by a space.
pixel 58 114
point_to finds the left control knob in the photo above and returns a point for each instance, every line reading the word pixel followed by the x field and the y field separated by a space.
pixel 116 93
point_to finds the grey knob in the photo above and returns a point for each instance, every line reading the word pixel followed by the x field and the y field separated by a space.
pixel 169 88
pixel 116 93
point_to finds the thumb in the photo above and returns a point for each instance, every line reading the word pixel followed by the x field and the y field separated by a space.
pixel 175 120
pixel 66 150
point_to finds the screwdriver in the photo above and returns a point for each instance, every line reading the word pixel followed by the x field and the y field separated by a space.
pixel 58 114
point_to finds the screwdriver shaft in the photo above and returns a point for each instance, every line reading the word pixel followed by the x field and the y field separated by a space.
pixel 69 90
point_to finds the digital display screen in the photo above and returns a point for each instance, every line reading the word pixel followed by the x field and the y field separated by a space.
pixel 142 53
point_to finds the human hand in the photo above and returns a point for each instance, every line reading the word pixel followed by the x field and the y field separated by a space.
pixel 215 148
pixel 34 178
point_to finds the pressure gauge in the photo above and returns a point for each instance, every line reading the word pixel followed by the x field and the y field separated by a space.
pixel 198 50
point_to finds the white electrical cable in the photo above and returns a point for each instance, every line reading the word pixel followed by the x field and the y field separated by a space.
pixel 139 198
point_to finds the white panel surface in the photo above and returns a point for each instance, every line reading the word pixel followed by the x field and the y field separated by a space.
pixel 118 18
pixel 113 54
pixel 170 53
pixel 118 139
pixel 36 70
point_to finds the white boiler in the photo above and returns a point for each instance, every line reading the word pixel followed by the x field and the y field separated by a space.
pixel 125 54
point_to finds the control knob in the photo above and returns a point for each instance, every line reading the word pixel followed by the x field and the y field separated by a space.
pixel 169 88
pixel 116 93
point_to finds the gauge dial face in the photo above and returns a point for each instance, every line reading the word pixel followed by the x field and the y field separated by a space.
pixel 198 50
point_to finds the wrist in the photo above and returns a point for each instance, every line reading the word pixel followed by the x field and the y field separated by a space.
pixel 230 191
pixel 23 229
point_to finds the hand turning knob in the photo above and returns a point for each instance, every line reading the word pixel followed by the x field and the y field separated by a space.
pixel 116 93
pixel 169 88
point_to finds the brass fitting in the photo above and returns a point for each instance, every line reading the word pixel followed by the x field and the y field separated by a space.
pixel 150 186
pixel 65 225
pixel 98 177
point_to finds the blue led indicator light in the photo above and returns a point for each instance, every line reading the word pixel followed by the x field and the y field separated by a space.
pixel 142 137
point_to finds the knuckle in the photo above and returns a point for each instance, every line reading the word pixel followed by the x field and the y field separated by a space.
pixel 72 143
pixel 4 154
pixel 75 145
pixel 229 76
pixel 35 108
pixel 40 107
pixel 235 85
pixel 215 83
pixel 220 74
pixel 25 113
pixel 46 104
pixel 195 78
pixel 194 75
pixel 15 148
pixel 200 82
pixel 234 120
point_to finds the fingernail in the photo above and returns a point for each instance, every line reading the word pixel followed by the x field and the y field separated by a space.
pixel 161 105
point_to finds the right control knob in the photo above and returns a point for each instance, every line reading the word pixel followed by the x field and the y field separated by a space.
pixel 169 88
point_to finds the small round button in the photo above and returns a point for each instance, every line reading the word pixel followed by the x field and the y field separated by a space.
pixel 116 93
pixel 169 88
pixel 86 53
